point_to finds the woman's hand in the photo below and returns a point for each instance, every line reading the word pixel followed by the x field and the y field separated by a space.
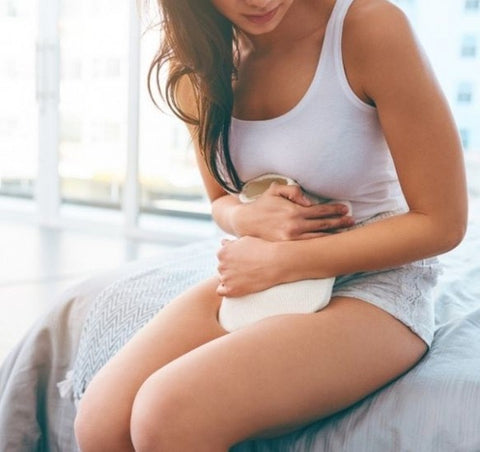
pixel 283 212
pixel 246 265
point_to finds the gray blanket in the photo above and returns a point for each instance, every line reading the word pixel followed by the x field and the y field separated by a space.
pixel 434 407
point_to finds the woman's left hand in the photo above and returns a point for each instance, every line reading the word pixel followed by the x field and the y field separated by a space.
pixel 245 265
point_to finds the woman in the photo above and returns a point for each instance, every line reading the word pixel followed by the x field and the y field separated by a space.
pixel 339 96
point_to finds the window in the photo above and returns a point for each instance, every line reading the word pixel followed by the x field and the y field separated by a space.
pixel 409 7
pixel 472 5
pixel 18 110
pixel 86 126
pixel 11 8
pixel 469 46
pixel 169 179
pixel 465 136
pixel 93 101
pixel 465 93
pixel 70 84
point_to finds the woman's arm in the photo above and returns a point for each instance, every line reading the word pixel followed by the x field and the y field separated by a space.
pixel 428 158
pixel 281 213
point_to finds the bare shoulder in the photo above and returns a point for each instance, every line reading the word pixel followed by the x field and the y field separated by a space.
pixel 377 27
pixel 380 18
pixel 382 44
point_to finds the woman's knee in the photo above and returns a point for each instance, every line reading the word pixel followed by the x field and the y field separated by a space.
pixel 100 425
pixel 166 417
pixel 156 415
pixel 87 432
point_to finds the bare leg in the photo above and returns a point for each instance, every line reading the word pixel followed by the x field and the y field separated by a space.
pixel 275 375
pixel 103 420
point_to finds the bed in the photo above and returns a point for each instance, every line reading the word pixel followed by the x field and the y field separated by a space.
pixel 434 407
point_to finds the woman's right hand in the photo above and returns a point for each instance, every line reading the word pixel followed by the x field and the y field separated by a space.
pixel 283 212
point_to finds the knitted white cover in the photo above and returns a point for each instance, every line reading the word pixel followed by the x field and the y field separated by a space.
pixel 303 296
pixel 308 295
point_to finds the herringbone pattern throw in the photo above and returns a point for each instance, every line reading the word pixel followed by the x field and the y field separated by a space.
pixel 127 304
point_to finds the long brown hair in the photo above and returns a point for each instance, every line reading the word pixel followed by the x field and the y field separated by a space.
pixel 199 42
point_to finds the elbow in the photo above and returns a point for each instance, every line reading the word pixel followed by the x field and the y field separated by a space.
pixel 449 226
pixel 454 234
pixel 215 205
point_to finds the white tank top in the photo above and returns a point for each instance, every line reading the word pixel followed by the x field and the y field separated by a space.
pixel 331 142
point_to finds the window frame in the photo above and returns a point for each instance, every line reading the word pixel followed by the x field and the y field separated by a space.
pixel 47 208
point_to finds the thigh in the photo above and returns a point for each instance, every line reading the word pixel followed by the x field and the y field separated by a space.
pixel 283 372
pixel 184 324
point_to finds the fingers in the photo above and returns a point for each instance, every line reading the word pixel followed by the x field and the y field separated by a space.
pixel 312 235
pixel 293 193
pixel 221 287
pixel 327 210
pixel 328 224
pixel 222 290
pixel 313 227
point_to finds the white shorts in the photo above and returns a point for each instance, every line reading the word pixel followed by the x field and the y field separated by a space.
pixel 405 292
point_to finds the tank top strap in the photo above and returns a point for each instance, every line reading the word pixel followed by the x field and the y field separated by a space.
pixel 339 12
pixel 332 45
pixel 337 18
pixel 334 55
pixel 331 51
